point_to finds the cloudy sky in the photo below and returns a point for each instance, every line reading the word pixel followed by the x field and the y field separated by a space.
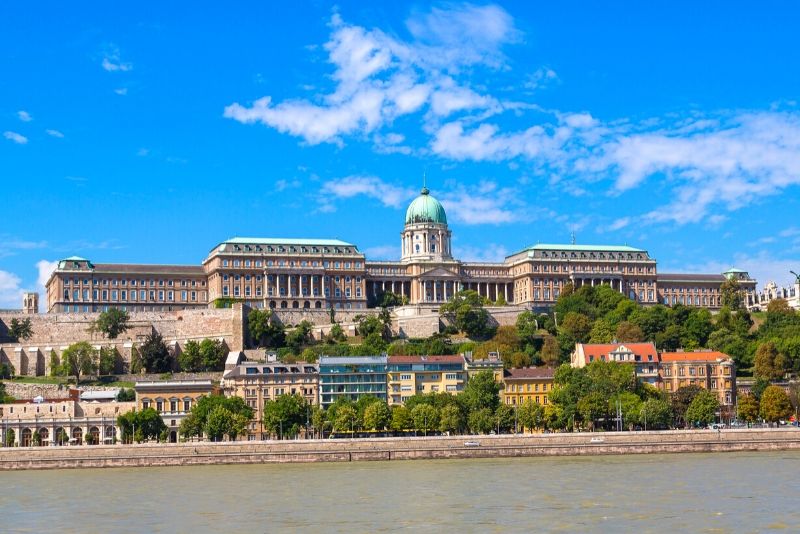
pixel 149 135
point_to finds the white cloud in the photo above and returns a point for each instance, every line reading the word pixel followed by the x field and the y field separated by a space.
pixel 45 269
pixel 371 186
pixel 112 61
pixel 9 246
pixel 24 116
pixel 379 78
pixel 490 253
pixel 143 152
pixel 619 224
pixel 763 266
pixel 10 291
pixel 485 203
pixel 15 137
pixel 383 252
pixel 541 78
pixel 282 185
pixel 54 133
pixel 122 91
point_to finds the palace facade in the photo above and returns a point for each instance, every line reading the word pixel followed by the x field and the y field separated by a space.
pixel 329 273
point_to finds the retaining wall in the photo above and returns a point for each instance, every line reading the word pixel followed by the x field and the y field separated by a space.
pixel 203 453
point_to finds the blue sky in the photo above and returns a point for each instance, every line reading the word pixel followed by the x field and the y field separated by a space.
pixel 149 134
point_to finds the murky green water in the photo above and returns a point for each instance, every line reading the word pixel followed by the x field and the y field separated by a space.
pixel 747 492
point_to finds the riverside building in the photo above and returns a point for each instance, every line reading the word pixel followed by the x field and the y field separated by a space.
pixel 330 273
pixel 351 377
pixel 411 375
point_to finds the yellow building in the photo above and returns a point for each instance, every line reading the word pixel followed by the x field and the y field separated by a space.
pixel 173 399
pixel 410 375
pixel 527 384
pixel 710 370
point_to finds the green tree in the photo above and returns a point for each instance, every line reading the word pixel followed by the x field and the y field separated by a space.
pixel 286 415
pixel 346 419
pixel 126 395
pixel 681 400
pixel 10 437
pixel 747 408
pixel 602 332
pixel 136 361
pixel 194 425
pixel 401 419
pixel 220 420
pixel 20 329
pixel 425 417
pixel 504 418
pixel 467 312
pixel 107 362
pixel 189 359
pixel 527 327
pixel 77 359
pixel 577 325
pixel 336 334
pixel 530 415
pixel 212 354
pixel 481 421
pixel 628 332
pixel 319 420
pixel 111 323
pixel 155 354
pixel 264 330
pixel 377 416
pixel 655 413
pixel 147 424
pixel 696 328
pixel 732 294
pixel 451 419
pixel 55 363
pixel 775 405
pixel 703 409
pixel 300 336
pixel 769 363
pixel 551 352
pixel 481 392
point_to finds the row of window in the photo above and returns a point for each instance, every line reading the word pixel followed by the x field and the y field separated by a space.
pixel 132 295
pixel 248 292
pixel 292 263
pixel 303 278
pixel 133 283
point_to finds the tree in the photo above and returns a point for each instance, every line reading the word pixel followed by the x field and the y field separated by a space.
pixel 627 332
pixel 481 392
pixel 551 352
pixel 345 419
pixel 401 419
pixel 299 336
pixel 336 334
pixel 504 418
pixel 77 359
pixel 212 355
pixel 425 417
pixel 779 307
pixel 285 415
pixel 264 330
pixel 481 421
pixel 195 424
pixel 696 328
pixel 155 354
pixel 219 421
pixel 527 327
pixel 577 325
pixel 530 415
pixel 55 363
pixel 451 419
pixel 703 409
pixel 731 292
pixel 769 363
pixel 136 361
pixel 107 362
pixel 10 437
pixel 655 413
pixel 681 400
pixel 189 359
pixel 126 395
pixel 319 420
pixel 747 409
pixel 146 423
pixel 377 416
pixel 467 312
pixel 775 405
pixel 111 323
pixel 20 329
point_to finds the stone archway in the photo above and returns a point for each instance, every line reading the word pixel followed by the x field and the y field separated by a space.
pixel 61 437
pixel 318 305
pixel 306 305
pixel 295 304
pixel 77 435
pixel 95 433
pixel 44 437
pixel 110 435
pixel 173 436
pixel 26 437
pixel 283 304
pixel 272 304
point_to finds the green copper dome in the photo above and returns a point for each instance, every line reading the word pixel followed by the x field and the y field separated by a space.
pixel 424 209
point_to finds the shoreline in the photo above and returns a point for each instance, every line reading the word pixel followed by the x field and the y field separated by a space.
pixel 405 448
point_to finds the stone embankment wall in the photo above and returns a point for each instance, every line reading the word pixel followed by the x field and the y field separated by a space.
pixel 248 452
pixel 56 331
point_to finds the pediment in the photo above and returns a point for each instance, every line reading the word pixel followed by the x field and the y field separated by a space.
pixel 440 272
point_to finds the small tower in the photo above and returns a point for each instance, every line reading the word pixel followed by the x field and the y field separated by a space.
pixel 30 303
pixel 425 236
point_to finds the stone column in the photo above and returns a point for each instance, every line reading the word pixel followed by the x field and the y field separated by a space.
pixel 435 291
pixel 505 291
pixel 288 286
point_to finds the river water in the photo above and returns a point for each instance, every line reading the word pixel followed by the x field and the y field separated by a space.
pixel 723 492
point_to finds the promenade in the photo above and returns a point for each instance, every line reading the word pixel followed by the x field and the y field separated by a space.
pixel 414 448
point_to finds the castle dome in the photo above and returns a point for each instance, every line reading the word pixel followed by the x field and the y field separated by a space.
pixel 425 209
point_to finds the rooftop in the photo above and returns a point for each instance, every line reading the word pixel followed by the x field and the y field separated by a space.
pixel 140 268
pixel 581 248
pixel 686 277
pixel 529 372
pixel 700 355
pixel 287 241
pixel 450 358
pixel 602 349
pixel 351 360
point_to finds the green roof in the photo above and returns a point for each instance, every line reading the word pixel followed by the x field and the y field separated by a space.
pixel 424 209
pixel 582 248
pixel 287 241
pixel 734 270
pixel 75 258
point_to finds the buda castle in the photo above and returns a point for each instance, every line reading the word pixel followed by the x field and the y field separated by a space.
pixel 329 273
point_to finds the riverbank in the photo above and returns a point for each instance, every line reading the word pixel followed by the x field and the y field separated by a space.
pixel 351 450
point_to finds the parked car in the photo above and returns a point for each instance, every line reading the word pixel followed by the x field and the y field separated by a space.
pixel 472 444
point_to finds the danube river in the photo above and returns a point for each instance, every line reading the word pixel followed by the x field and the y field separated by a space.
pixel 723 492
